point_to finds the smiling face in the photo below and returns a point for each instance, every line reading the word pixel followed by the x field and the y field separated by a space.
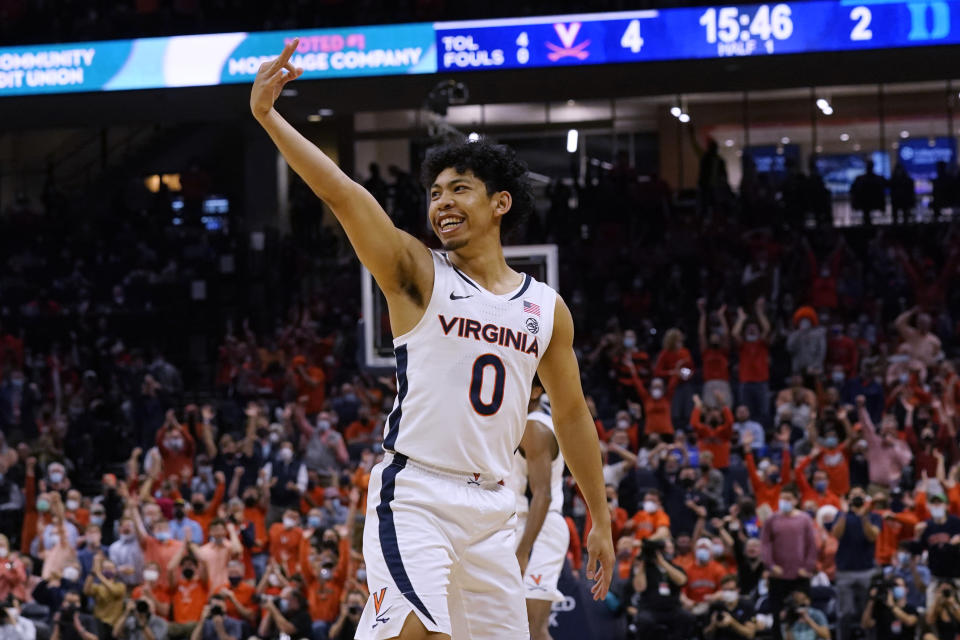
pixel 461 209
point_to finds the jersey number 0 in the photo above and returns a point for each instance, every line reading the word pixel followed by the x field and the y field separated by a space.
pixel 476 383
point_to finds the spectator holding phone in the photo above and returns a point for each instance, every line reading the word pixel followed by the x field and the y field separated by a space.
pixel 140 622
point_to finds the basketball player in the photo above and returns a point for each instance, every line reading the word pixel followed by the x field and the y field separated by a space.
pixel 542 533
pixel 469 336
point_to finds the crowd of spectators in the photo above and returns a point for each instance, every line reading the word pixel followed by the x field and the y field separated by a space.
pixel 776 406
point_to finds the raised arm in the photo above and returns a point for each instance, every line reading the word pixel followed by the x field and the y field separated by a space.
pixel 396 259
pixel 702 324
pixel 760 307
pixel 578 440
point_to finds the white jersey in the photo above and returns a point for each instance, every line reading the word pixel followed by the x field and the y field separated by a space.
pixel 518 474
pixel 464 373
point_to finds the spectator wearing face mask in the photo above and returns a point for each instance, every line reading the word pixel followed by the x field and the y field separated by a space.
pixel 287 478
pixel 182 527
pixel 224 544
pixel 856 530
pixel 204 513
pixel 323 446
pixel 818 491
pixel 152 590
pixel 715 356
pixel 127 554
pixel 345 626
pixel 676 361
pixel 656 404
pixel 744 424
pixel 886 453
pixel 941 540
pixel 714 435
pixel 789 549
pixel 158 546
pixel 238 594
pixel 107 592
pixel 177 448
pixel 703 578
pixel 752 338
pixel 189 595
pixel 91 548
pixel 928 440
pixel 766 488
pixel 651 521
pixel 916 576
pixel 13 575
pixel 284 541
pixel 74 512
pixel 807 343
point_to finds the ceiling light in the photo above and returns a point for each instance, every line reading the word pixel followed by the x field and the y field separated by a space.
pixel 314 117
pixel 728 142
pixel 676 111
pixel 904 134
pixel 844 137
pixel 856 147
pixel 828 111
pixel 823 104
pixel 784 140
pixel 684 117
pixel 573 138
pixel 473 136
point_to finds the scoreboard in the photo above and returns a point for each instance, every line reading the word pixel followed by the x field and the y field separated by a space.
pixel 692 33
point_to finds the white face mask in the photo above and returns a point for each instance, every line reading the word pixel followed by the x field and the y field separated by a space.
pixel 4 552
pixel 938 511
pixel 71 574
pixel 289 523
pixel 273 580
pixel 729 595
pixel 72 505
pixel 650 506
pixel 285 454
pixel 657 393
pixel 786 506
pixel 151 575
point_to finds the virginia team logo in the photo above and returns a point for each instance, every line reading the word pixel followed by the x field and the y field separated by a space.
pixel 532 325
pixel 378 600
pixel 568 35
pixel 536 577
pixel 377 604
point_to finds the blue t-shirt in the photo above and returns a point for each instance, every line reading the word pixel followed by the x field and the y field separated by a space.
pixel 855 552
pixel 802 631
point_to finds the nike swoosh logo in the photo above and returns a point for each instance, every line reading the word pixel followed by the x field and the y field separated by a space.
pixel 456 297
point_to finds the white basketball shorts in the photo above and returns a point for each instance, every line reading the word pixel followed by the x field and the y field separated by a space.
pixel 441 545
pixel 546 558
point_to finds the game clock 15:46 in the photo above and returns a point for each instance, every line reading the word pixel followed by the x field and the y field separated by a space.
pixel 730 29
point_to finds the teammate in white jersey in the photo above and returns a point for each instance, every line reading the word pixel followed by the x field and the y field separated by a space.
pixel 542 533
pixel 470 333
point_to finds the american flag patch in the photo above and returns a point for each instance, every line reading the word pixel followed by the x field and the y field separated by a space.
pixel 529 307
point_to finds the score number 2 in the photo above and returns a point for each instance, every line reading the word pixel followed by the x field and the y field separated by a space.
pixel 861 30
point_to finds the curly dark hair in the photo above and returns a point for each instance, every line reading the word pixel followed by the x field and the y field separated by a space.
pixel 497 166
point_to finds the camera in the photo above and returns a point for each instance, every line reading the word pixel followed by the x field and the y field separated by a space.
pixel 791 610
pixel 142 607
pixel 649 548
pixel 216 610
pixel 882 586
pixel 355 609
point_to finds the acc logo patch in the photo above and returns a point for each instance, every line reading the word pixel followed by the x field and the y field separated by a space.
pixel 532 325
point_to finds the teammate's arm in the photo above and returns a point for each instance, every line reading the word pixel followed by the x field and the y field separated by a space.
pixel 579 444
pixel 539 448
pixel 396 259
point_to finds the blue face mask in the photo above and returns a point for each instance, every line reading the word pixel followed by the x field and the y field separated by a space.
pixel 313 522
pixel 162 536
pixel 703 556
pixel 899 592
pixel 820 486
pixel 830 442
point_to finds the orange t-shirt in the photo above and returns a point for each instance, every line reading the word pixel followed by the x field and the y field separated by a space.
pixel 359 431
pixel 669 359
pixel 258 516
pixel 835 464
pixel 317 395
pixel 703 579
pixel 243 592
pixel 892 533
pixel 754 361
pixel 769 494
pixel 80 517
pixel 716 364
pixel 161 553
pixel 285 546
pixel 647 523
pixel 316 495
pixel 715 439
pixel 324 602
pixel 159 593
pixel 189 599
